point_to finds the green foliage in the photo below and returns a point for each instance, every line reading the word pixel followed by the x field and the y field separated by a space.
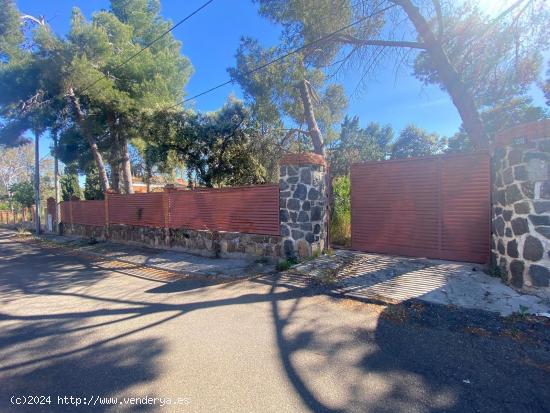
pixel 92 186
pixel 10 32
pixel 284 265
pixel 499 117
pixel 495 60
pixel 413 142
pixel 70 187
pixel 217 148
pixel 498 60
pixel 357 144
pixel 304 21
pixel 340 225
pixel 39 78
pixel 272 92
pixel 23 194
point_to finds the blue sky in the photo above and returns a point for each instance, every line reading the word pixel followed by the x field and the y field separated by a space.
pixel 211 38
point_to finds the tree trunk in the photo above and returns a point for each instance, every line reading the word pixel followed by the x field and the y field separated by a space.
pixel 313 128
pixel 104 180
pixel 126 167
pixel 148 173
pixel 115 176
pixel 461 96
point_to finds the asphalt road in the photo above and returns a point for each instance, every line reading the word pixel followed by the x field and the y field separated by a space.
pixel 69 328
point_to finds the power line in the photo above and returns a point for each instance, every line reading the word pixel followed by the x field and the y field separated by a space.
pixel 282 57
pixel 149 44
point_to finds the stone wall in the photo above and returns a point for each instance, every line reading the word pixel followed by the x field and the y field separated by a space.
pixel 206 243
pixel 303 205
pixel 521 206
pixel 225 244
pixel 303 222
pixel 86 231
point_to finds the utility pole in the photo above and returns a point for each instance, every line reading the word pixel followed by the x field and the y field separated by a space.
pixel 57 186
pixel 41 22
pixel 37 182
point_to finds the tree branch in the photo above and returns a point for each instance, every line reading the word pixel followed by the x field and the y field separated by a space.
pixel 291 132
pixel 346 38
pixel 439 14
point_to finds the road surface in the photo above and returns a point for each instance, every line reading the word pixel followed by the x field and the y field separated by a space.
pixel 123 341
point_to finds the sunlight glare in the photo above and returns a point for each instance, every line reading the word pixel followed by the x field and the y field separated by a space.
pixel 493 7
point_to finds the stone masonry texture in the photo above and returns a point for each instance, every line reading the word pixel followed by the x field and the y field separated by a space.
pixel 303 204
pixel 207 243
pixel 521 206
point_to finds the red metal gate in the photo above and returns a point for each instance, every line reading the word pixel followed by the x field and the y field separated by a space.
pixel 435 207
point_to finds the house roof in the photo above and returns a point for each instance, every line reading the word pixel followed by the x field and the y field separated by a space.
pixel 159 181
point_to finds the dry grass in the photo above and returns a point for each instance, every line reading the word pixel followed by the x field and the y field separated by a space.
pixel 340 229
pixel 477 331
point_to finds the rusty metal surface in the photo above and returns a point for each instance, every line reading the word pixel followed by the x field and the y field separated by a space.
pixel 435 207
pixel 136 209
pixel 252 210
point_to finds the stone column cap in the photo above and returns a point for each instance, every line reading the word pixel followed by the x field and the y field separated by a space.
pixel 306 158
pixel 527 131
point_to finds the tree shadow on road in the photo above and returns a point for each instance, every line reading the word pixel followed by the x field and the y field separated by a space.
pixel 381 366
pixel 400 366
pixel 105 372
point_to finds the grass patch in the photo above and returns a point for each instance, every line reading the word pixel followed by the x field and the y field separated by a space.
pixel 340 223
pixel 284 265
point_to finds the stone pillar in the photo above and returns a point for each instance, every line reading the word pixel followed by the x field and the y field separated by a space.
pixel 303 204
pixel 51 217
pixel 521 205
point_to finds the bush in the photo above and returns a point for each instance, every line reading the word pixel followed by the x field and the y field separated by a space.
pixel 284 265
pixel 23 194
pixel 340 225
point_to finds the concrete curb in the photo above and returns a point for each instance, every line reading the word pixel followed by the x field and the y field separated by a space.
pixel 186 275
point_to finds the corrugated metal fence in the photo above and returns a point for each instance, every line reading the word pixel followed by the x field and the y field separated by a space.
pixel 251 209
pixel 87 212
pixel 436 207
pixel 136 209
pixel 25 215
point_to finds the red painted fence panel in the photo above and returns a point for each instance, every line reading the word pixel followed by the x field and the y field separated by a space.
pixel 436 207
pixel 83 212
pixel 136 209
pixel 253 209
pixel 65 214
pixel 88 212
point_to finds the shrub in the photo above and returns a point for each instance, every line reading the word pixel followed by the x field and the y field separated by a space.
pixel 340 225
pixel 283 265
pixel 23 193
